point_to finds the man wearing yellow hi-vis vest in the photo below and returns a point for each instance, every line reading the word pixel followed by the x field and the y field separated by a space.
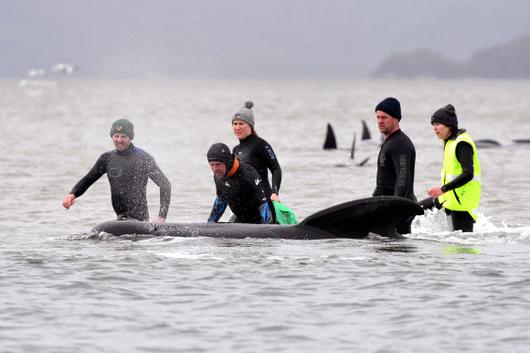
pixel 460 190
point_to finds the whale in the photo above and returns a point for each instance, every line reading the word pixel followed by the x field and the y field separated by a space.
pixel 366 132
pixel 490 143
pixel 355 219
pixel 330 143
pixel 487 143
pixel 352 153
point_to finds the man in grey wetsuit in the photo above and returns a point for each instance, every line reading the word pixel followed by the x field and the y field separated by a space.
pixel 128 169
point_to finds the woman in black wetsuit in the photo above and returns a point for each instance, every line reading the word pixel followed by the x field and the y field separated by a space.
pixel 255 151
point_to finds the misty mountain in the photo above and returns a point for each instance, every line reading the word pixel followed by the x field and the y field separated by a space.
pixel 508 60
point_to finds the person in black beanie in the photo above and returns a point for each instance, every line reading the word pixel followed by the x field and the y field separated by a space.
pixel 446 115
pixel 128 169
pixel 397 157
pixel 239 186
pixel 460 188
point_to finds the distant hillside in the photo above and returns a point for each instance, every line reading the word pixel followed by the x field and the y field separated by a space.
pixel 510 60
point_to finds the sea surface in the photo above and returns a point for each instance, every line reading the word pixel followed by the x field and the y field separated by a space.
pixel 65 289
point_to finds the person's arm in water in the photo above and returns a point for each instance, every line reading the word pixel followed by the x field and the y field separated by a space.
pixel 90 178
pixel 464 155
pixel 156 175
pixel 265 213
pixel 276 171
pixel 219 207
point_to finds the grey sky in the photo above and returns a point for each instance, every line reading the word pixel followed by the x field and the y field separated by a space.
pixel 246 38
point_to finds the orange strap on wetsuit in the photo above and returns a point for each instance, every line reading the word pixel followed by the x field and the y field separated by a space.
pixel 234 168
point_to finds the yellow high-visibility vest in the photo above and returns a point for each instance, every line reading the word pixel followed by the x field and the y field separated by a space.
pixel 466 197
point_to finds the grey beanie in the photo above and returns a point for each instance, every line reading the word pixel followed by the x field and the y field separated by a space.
pixel 245 114
pixel 122 126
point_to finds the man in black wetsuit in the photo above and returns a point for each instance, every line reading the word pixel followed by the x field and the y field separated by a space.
pixel 128 168
pixel 397 158
pixel 239 186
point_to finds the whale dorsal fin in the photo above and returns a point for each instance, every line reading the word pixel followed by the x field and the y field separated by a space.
pixel 330 143
pixel 378 215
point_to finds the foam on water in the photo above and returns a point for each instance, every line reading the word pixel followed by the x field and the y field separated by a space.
pixel 436 225
pixel 189 256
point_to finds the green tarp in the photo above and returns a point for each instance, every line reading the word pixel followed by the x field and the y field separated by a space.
pixel 284 215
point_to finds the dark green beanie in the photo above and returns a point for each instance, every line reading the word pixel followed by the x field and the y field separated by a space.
pixel 122 126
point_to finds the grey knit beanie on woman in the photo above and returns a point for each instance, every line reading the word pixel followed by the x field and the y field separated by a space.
pixel 245 114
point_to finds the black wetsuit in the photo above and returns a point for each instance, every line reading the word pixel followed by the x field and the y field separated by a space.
pixel 462 220
pixel 128 172
pixel 243 192
pixel 395 171
pixel 257 152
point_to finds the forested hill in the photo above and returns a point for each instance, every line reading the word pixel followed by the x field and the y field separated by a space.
pixel 509 60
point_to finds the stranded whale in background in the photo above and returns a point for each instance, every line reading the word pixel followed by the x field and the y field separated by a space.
pixel 330 143
pixel 354 219
pixel 489 143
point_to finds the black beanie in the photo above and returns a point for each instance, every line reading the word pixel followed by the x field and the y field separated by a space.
pixel 219 152
pixel 390 106
pixel 446 115
pixel 122 126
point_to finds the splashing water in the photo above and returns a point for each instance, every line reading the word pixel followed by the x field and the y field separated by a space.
pixel 436 225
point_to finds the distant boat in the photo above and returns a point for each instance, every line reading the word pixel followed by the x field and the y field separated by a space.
pixel 64 68
pixel 37 84
pixel 36 73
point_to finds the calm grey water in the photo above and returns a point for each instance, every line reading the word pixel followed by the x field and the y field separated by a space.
pixel 64 290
